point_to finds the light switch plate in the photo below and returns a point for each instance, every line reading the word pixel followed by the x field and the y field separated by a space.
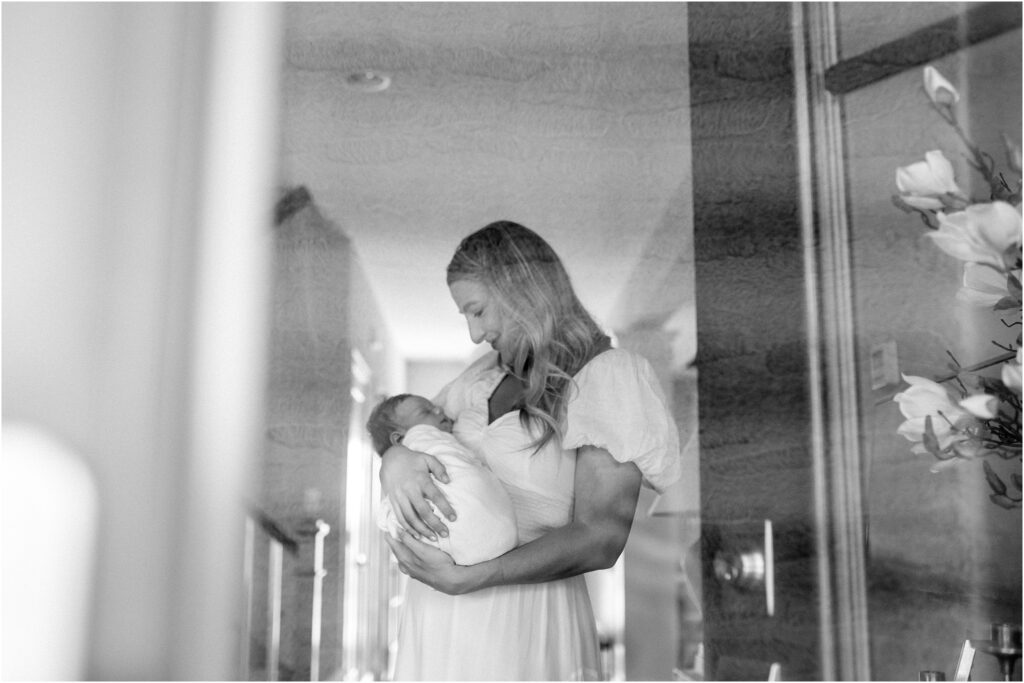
pixel 885 369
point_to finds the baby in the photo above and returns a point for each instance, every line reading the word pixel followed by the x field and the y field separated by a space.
pixel 486 524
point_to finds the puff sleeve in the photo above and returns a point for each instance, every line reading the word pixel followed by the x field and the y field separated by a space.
pixel 617 404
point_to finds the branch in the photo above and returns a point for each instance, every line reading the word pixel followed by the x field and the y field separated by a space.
pixel 1002 358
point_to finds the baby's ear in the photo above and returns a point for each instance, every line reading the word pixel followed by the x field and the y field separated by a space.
pixel 395 438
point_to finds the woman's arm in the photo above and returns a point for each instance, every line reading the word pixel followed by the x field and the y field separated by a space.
pixel 606 497
pixel 407 480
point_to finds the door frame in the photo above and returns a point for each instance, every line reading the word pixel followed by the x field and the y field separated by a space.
pixel 828 277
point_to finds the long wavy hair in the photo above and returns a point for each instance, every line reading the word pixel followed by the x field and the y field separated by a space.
pixel 550 334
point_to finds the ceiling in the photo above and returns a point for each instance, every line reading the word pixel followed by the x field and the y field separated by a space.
pixel 572 119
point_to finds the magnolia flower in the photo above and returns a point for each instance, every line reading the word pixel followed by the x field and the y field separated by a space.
pixel 982 286
pixel 940 91
pixel 981 233
pixel 922 183
pixel 923 399
pixel 987 237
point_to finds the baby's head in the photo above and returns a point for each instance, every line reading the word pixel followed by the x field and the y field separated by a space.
pixel 393 416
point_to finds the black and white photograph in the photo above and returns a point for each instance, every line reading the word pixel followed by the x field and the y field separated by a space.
pixel 511 341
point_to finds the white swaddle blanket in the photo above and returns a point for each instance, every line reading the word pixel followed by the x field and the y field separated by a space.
pixel 486 524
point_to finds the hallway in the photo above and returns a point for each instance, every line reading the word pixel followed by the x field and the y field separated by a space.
pixel 225 233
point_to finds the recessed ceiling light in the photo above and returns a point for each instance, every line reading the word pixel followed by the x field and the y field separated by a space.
pixel 368 81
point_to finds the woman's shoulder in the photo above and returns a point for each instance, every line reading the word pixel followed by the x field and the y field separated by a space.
pixel 613 376
pixel 614 361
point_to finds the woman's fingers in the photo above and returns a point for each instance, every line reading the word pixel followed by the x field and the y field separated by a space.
pixel 435 467
pixel 435 527
pixel 424 562
pixel 420 515
pixel 434 495
pixel 408 514
pixel 405 550
pixel 427 556
pixel 437 497
pixel 399 551
pixel 408 479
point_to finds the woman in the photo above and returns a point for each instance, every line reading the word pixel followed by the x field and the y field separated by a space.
pixel 571 427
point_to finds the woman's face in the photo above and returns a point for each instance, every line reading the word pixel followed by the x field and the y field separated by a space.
pixel 483 315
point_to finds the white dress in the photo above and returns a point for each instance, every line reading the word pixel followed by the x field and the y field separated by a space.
pixel 540 631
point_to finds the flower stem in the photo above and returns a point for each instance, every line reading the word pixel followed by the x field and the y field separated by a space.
pixel 1002 358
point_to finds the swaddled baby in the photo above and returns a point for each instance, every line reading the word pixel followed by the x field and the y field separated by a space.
pixel 486 525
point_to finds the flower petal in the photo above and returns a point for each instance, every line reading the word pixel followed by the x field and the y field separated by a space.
pixel 940 91
pixel 942 169
pixel 981 233
pixel 933 176
pixel 984 406
pixel 1011 375
pixel 982 285
pixel 998 224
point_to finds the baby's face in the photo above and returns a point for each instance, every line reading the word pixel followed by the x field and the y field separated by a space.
pixel 417 410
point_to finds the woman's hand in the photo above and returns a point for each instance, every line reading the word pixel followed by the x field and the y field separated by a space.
pixel 407 479
pixel 429 565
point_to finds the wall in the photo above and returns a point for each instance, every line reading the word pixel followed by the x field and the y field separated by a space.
pixel 324 312
pixel 372 574
pixel 308 404
pixel 659 639
pixel 426 378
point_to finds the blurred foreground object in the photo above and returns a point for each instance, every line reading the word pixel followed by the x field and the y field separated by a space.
pixel 50 510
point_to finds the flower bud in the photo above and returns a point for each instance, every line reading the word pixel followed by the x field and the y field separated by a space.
pixel 940 91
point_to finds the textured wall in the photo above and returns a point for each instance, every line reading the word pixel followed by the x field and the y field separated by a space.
pixel 308 407
pixel 751 332
pixel 323 312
